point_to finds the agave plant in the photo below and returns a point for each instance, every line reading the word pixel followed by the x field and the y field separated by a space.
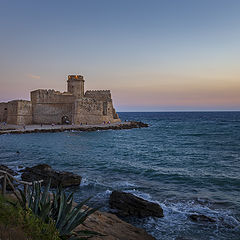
pixel 39 202
pixel 60 210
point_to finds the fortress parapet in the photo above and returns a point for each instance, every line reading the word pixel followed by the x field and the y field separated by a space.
pixel 51 96
pixel 101 95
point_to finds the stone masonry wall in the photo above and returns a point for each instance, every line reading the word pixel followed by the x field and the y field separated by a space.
pixel 101 95
pixel 91 111
pixel 3 112
pixel 76 85
pixel 50 106
pixel 19 112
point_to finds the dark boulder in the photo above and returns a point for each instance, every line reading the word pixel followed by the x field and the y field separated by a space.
pixel 45 172
pixel 129 205
pixel 201 218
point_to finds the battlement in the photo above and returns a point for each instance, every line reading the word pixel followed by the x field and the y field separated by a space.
pixel 100 91
pixel 75 78
pixel 102 95
pixel 76 85
pixel 50 92
pixel 51 96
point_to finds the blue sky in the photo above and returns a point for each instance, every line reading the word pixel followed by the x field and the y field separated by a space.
pixel 154 55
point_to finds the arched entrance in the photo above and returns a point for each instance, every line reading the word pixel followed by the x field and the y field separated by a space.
pixel 65 120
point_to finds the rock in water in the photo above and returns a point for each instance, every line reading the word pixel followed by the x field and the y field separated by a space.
pixel 201 218
pixel 129 205
pixel 45 172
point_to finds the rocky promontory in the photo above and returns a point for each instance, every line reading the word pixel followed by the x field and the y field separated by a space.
pixel 61 128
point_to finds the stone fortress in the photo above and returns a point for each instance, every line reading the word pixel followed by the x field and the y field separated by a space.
pixel 53 107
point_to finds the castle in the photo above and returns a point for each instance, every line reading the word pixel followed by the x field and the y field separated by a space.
pixel 53 107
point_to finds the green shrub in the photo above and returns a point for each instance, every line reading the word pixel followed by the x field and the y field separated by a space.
pixel 59 211
pixel 19 224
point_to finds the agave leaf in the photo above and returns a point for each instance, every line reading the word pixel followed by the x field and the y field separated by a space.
pixel 23 201
pixel 45 212
pixel 61 207
pixel 75 220
pixel 54 207
pixel 81 219
pixel 77 209
pixel 75 214
pixel 30 203
pixel 37 198
pixel 66 212
pixel 46 193
pixel 70 197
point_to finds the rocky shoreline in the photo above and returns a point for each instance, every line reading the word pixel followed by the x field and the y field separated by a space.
pixel 122 205
pixel 109 225
pixel 62 128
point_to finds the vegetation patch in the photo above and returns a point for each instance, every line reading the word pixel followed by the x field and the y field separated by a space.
pixel 20 224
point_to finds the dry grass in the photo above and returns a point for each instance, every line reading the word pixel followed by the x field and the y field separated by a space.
pixel 12 233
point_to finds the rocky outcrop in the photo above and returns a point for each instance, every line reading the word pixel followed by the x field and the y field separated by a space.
pixel 45 172
pixel 112 228
pixel 201 218
pixel 61 128
pixel 129 205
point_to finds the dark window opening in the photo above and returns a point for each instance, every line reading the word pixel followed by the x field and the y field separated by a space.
pixel 104 108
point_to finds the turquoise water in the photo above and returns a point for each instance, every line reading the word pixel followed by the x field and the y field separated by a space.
pixel 187 162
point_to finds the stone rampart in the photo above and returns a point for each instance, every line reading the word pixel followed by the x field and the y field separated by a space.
pixel 3 112
pixel 101 95
pixel 51 106
pixel 19 112
pixel 51 96
pixel 48 113
pixel 92 111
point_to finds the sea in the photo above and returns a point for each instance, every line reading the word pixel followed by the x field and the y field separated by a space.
pixel 188 162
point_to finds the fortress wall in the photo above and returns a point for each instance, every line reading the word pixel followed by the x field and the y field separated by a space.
pixel 50 106
pixel 101 95
pixel 48 113
pixel 19 112
pixel 51 96
pixel 12 112
pixel 91 111
pixel 3 112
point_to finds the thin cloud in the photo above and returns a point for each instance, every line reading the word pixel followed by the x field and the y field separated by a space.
pixel 33 76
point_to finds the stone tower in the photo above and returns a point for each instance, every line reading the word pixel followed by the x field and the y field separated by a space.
pixel 76 85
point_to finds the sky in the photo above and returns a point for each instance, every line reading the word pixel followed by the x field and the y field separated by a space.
pixel 154 55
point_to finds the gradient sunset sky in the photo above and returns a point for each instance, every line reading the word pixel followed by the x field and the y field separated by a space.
pixel 154 55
